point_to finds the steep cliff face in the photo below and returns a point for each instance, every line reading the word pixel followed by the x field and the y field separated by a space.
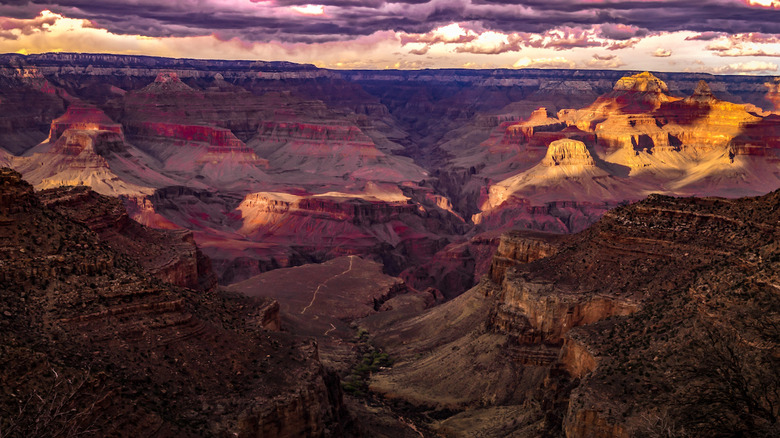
pixel 30 103
pixel 358 210
pixel 620 329
pixel 537 313
pixel 170 255
pixel 634 132
pixel 188 135
pixel 636 94
pixel 576 358
pixel 521 247
pixel 160 357
pixel 571 153
pixel 335 224
pixel 702 122
pixel 83 117
pixel 83 157
pixel 539 121
pixel 590 424
pixel 204 151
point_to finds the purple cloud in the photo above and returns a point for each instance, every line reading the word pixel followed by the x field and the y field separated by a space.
pixel 618 20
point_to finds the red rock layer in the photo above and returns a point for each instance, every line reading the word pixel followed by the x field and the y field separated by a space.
pixel 539 121
pixel 280 131
pixel 83 117
pixel 188 135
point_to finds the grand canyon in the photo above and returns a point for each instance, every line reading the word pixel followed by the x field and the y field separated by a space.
pixel 270 249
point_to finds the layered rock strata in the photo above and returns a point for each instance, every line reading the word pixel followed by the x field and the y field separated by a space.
pixel 619 328
pixel 170 255
pixel 87 327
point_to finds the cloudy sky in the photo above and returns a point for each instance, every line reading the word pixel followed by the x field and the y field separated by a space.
pixel 716 36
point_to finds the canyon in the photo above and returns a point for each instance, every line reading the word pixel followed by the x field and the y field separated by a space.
pixel 387 253
pixel 266 155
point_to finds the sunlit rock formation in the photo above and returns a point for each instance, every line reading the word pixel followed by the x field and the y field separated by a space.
pixel 85 118
pixel 637 94
pixel 539 121
pixel 81 157
pixel 86 148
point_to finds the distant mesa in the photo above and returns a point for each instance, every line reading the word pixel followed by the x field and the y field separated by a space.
pixel 644 82
pixel 167 76
pixel 637 93
pixel 75 141
pixel 702 93
pixel 567 152
pixel 539 121
pixel 166 82
pixel 540 116
pixel 83 117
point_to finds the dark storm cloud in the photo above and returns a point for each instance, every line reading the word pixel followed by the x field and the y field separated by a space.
pixel 344 3
pixel 257 20
pixel 733 16
pixel 621 31
pixel 705 36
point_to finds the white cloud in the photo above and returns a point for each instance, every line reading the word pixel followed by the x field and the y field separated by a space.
pixel 746 67
pixel 556 62
pixel 662 53
pixel 309 9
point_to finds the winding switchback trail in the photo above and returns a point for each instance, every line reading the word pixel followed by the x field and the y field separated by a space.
pixel 314 297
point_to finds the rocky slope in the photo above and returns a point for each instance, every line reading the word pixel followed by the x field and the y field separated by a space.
pixel 92 342
pixel 85 147
pixel 656 317
pixel 170 255
pixel 29 104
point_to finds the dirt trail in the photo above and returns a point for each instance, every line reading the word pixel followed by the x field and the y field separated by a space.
pixel 314 297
